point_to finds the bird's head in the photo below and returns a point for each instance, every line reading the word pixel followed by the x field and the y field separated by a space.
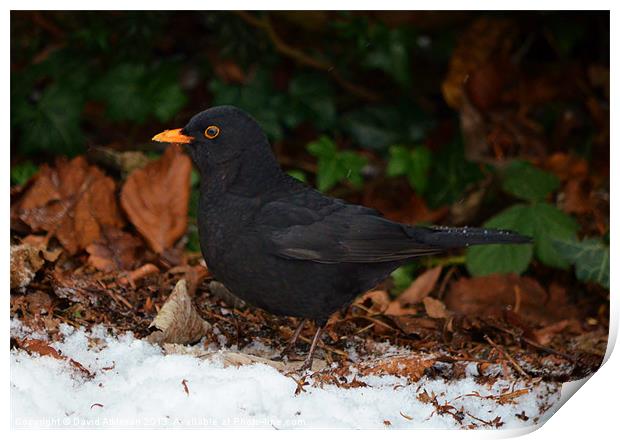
pixel 221 138
pixel 230 150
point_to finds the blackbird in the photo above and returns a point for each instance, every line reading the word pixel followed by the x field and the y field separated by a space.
pixel 283 246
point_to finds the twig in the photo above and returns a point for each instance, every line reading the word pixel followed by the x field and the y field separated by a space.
pixel 444 282
pixel 303 58
pixel 507 356
pixel 517 305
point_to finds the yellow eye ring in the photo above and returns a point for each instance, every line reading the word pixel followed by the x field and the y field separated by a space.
pixel 212 132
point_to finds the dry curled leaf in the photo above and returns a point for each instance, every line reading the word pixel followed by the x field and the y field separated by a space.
pixel 544 336
pixel 116 250
pixel 577 197
pixel 420 288
pixel 412 325
pixel 42 348
pixel 178 322
pixel 156 199
pixel 435 308
pixel 72 201
pixel 139 273
pixel 567 166
pixel 26 260
pixel 492 295
pixel 375 300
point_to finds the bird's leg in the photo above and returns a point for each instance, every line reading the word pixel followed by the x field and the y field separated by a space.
pixel 298 330
pixel 308 362
pixel 291 343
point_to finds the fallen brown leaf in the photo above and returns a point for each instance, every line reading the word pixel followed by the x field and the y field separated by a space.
pixel 72 201
pixel 178 321
pixel 435 308
pixel 194 276
pixel 420 288
pixel 116 250
pixel 41 242
pixel 375 300
pixel 544 335
pixel 35 303
pixel 156 199
pixel 577 198
pixel 26 260
pixel 412 325
pixel 42 348
pixel 492 295
pixel 567 166
pixel 139 273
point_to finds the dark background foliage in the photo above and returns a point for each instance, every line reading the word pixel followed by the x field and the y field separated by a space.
pixel 432 117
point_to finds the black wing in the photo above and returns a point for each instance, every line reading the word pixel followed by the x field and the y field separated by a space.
pixel 310 226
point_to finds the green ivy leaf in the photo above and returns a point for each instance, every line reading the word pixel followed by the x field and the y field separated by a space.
pixel 403 277
pixel 52 123
pixel 322 147
pixel 335 166
pixel 312 96
pixel 378 127
pixel 450 175
pixel 398 162
pixel 120 89
pixel 550 224
pixel 590 257
pixel 503 258
pixel 298 174
pixel 544 222
pixel 22 172
pixel 132 92
pixel 389 52
pixel 527 182
pixel 413 163
pixel 351 165
pixel 418 168
pixel 327 175
pixel 167 100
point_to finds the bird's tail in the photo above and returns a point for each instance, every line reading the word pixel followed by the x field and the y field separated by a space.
pixel 449 238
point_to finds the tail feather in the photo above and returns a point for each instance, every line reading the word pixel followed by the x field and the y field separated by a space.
pixel 449 238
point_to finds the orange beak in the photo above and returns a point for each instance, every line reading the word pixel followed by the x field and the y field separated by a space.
pixel 173 137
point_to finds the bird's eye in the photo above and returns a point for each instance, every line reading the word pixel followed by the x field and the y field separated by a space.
pixel 212 132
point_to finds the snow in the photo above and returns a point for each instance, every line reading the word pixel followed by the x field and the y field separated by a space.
pixel 136 384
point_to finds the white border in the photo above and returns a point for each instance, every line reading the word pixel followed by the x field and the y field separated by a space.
pixel 593 409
